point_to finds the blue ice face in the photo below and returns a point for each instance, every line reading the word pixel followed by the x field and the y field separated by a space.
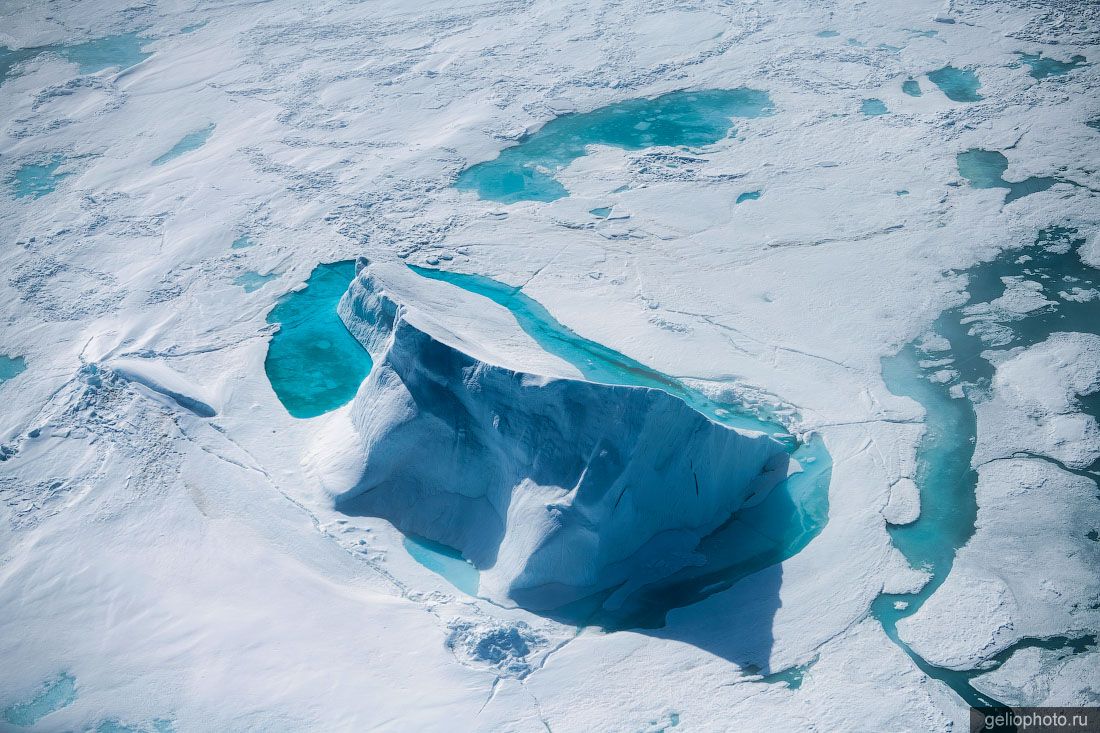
pixel 754 538
pixel 525 172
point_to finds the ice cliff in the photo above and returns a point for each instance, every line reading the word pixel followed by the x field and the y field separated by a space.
pixel 555 488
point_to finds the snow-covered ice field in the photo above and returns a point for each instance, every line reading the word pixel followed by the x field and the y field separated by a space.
pixel 753 386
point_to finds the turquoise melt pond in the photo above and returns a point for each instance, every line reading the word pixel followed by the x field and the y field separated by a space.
pixel 985 169
pixel 873 107
pixel 525 171
pixel 55 694
pixel 190 141
pixel 313 362
pixel 253 281
pixel 121 51
pixel 1042 66
pixel 444 561
pixel 35 180
pixel 958 85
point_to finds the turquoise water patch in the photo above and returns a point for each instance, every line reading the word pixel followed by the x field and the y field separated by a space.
pixel 902 192
pixel 190 141
pixel 911 87
pixel 444 561
pixel 827 34
pixel 791 678
pixel 160 725
pixel 35 180
pixel 12 57
pixel 252 281
pixel 193 27
pixel 122 51
pixel 958 85
pixel 601 212
pixel 748 196
pixel 753 538
pixel 114 726
pixel 1094 124
pixel 873 107
pixel 313 363
pixel 1042 67
pixel 55 694
pixel 11 366
pixel 985 169
pixel 946 481
pixel 242 242
pixel 525 171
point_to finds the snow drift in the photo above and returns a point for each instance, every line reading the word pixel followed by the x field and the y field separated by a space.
pixel 555 488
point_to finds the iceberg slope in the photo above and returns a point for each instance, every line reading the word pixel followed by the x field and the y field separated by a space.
pixel 554 488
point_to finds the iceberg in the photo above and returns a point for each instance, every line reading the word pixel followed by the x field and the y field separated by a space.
pixel 553 487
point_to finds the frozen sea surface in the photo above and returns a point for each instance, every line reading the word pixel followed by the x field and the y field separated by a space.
pixel 169 534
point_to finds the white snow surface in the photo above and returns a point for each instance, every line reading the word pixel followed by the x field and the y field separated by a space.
pixel 167 533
